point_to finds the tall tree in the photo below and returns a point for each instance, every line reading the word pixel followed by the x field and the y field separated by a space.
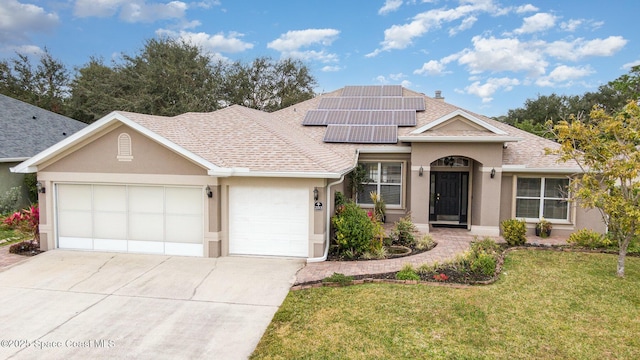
pixel 267 85
pixel 607 150
pixel 94 91
pixel 627 86
pixel 44 86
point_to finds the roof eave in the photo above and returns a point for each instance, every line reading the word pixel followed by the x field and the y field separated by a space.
pixel 525 169
pixel 464 139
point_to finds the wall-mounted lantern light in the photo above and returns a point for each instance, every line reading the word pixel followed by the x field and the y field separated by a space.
pixel 40 187
pixel 421 171
pixel 208 191
pixel 315 194
pixel 493 173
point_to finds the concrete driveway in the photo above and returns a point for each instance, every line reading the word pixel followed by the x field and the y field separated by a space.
pixel 79 305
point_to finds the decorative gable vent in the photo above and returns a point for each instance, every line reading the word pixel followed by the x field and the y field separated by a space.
pixel 124 147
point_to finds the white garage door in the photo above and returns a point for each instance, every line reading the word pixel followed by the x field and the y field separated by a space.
pixel 130 218
pixel 269 221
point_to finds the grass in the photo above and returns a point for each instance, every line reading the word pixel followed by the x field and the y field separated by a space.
pixel 11 236
pixel 546 305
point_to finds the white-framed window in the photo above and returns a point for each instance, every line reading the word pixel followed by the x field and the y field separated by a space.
pixel 546 197
pixel 124 147
pixel 385 178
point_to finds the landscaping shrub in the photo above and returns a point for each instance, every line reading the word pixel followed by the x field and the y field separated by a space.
pixel 339 278
pixel 354 230
pixel 340 199
pixel 514 232
pixel 403 232
pixel 589 239
pixel 484 263
pixel 10 199
pixel 24 246
pixel 487 245
pixel 425 242
pixel 407 273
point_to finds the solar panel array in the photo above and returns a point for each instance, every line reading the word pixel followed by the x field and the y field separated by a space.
pixel 360 117
pixel 372 103
pixel 365 114
pixel 361 134
pixel 372 90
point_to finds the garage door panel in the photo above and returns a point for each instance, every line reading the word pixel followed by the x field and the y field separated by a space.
pixel 269 221
pixel 146 199
pixel 130 218
pixel 74 197
pixel 184 229
pixel 110 245
pixel 75 224
pixel 110 225
pixel 146 227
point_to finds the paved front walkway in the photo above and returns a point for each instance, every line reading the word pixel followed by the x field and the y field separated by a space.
pixel 450 243
pixel 7 259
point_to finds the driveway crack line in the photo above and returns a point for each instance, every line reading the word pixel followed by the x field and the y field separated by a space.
pixel 141 275
pixel 195 289
pixel 95 272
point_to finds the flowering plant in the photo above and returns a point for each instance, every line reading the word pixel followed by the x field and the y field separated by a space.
pixel 440 277
pixel 26 220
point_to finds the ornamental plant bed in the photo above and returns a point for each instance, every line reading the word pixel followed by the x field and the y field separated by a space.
pixel 334 256
pixel 25 248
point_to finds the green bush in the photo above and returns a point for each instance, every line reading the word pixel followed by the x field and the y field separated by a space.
pixel 484 263
pixel 339 278
pixel 354 230
pixel 425 242
pixel 407 273
pixel 589 239
pixel 10 199
pixel 487 245
pixel 403 232
pixel 514 232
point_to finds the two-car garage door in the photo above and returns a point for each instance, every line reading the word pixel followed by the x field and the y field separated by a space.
pixel 130 218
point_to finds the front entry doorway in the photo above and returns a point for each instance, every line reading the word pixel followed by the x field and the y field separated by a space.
pixel 449 198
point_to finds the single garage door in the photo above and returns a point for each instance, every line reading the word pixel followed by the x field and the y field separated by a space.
pixel 269 221
pixel 130 218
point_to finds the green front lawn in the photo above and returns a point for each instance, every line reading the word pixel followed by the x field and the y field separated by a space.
pixel 546 305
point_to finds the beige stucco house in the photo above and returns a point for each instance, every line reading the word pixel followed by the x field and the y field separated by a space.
pixel 241 181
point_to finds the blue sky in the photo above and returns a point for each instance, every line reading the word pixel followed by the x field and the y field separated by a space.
pixel 486 56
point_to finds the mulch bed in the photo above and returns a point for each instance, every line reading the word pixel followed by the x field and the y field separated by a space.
pixel 25 248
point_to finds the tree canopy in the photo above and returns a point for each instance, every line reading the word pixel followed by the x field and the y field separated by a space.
pixel 166 77
pixel 607 150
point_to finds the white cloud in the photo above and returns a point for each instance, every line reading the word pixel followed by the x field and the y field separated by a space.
pixel 466 24
pixel 390 6
pixel 431 68
pixel 401 36
pixel 526 8
pixel 214 44
pixel 130 10
pixel 17 20
pixel 536 23
pixel 294 40
pixel 331 68
pixel 571 25
pixel 564 74
pixel 290 44
pixel 581 48
pixel 486 90
pixel 629 65
pixel 506 54
pixel 398 76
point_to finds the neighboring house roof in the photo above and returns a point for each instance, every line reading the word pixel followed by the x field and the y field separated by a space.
pixel 28 129
pixel 244 142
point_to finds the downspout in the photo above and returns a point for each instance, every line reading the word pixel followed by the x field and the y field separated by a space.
pixel 328 229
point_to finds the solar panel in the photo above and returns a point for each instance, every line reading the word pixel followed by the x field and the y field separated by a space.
pixel 413 103
pixel 392 90
pixel 359 134
pixel 405 118
pixel 315 118
pixel 329 103
pixel 337 117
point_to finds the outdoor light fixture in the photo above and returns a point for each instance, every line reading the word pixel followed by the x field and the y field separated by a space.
pixel 493 173
pixel 315 194
pixel 421 171
pixel 209 192
pixel 41 189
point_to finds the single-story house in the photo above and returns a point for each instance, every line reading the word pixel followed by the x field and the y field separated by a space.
pixel 26 131
pixel 242 181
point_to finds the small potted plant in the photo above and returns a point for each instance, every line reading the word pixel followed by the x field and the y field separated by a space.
pixel 543 228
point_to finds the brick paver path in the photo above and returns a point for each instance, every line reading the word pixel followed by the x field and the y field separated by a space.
pixel 8 259
pixel 450 243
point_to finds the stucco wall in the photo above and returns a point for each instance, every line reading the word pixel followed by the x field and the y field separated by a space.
pixel 100 156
